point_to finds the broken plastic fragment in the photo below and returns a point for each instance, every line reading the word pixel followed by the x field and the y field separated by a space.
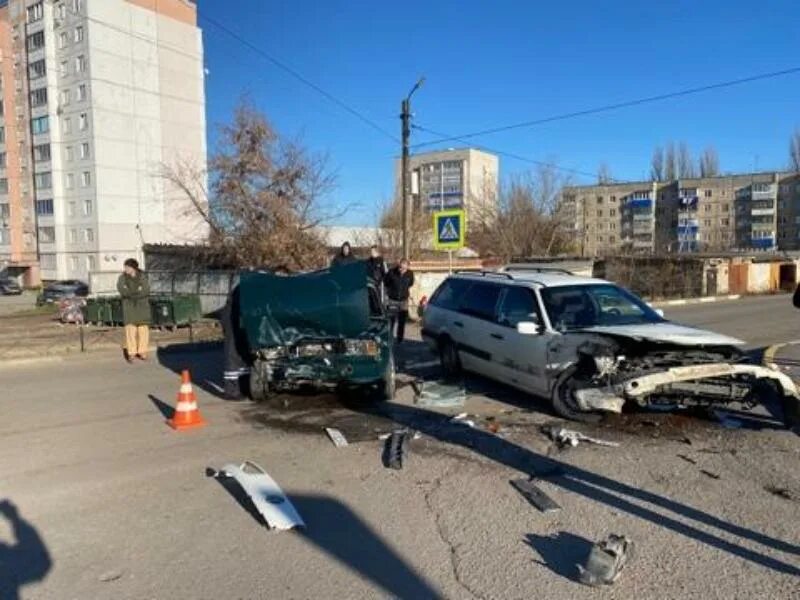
pixel 567 437
pixel 606 560
pixel 337 437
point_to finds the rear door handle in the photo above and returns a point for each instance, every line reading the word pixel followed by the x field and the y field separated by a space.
pixel 496 336
pixel 458 323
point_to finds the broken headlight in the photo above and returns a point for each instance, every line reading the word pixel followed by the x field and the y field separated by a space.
pixel 361 347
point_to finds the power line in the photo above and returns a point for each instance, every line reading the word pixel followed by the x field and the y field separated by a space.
pixel 616 106
pixel 513 155
pixel 286 68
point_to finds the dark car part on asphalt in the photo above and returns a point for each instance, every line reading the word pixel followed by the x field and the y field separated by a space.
pixel 533 494
pixel 395 450
pixel 606 560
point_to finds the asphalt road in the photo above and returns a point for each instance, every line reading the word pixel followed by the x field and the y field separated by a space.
pixel 99 499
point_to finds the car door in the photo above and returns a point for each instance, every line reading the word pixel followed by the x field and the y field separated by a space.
pixel 473 326
pixel 520 359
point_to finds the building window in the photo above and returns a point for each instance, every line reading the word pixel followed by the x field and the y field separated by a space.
pixel 1 108
pixel 77 5
pixel 67 125
pixel 725 222
pixel 78 34
pixel 612 212
pixel 47 234
pixel 36 41
pixel 2 160
pixel 612 238
pixel 63 39
pixel 2 135
pixel 599 213
pixel 80 64
pixel 35 12
pixel 725 208
pixel 81 92
pixel 62 11
pixel 707 222
pixel 708 208
pixel 73 236
pixel 71 208
pixel 70 181
pixel 37 69
pixel 86 179
pixel 47 261
pixel 83 122
pixel 41 152
pixel 44 181
pixel 40 125
pixel 63 68
pixel 599 199
pixel 85 150
pixel 87 208
pixel 708 193
pixel 88 235
pixel 39 97
pixel 5 211
pixel 613 199
pixel 44 207
pixel 73 263
pixel 63 97
pixel 3 186
pixel 5 237
pixel 90 263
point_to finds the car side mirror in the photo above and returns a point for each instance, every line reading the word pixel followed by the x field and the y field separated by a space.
pixel 528 328
pixel 659 312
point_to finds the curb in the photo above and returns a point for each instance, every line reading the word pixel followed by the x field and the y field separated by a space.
pixel 769 353
pixel 704 300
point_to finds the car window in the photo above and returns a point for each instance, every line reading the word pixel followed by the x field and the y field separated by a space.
pixel 517 306
pixel 481 300
pixel 450 293
pixel 581 306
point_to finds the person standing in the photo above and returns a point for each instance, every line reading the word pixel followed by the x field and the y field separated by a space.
pixel 135 291
pixel 345 256
pixel 376 266
pixel 398 281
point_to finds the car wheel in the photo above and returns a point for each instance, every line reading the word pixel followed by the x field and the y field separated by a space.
pixel 389 385
pixel 564 402
pixel 259 382
pixel 449 359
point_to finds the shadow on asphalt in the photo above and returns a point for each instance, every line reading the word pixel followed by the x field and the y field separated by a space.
pixel 165 409
pixel 561 552
pixel 333 528
pixel 24 562
pixel 204 361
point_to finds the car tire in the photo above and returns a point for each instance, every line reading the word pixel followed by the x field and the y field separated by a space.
pixel 449 359
pixel 260 390
pixel 385 390
pixel 563 399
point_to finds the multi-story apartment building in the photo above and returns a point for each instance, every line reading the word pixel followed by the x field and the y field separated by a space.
pixel 754 211
pixel 464 178
pixel 99 95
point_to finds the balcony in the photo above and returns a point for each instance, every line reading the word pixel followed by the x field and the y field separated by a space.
pixel 641 244
pixel 640 204
pixel 642 226
pixel 764 191
pixel 763 243
pixel 762 212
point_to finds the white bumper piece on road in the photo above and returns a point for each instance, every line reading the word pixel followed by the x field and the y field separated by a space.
pixel 266 494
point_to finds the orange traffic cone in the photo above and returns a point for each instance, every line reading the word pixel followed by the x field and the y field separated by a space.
pixel 187 414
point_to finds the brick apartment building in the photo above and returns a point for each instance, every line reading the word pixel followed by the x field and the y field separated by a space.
pixel 751 211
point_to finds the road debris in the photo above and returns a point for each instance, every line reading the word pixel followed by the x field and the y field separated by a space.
pixel 781 492
pixel 441 394
pixel 569 438
pixel 533 494
pixel 709 474
pixel 606 560
pixel 725 420
pixel 337 437
pixel 110 576
pixel 395 451
pixel 461 419
pixel 688 459
pixel 266 495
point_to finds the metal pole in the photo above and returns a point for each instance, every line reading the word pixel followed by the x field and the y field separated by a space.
pixel 405 116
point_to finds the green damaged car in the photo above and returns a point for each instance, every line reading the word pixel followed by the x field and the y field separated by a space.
pixel 327 329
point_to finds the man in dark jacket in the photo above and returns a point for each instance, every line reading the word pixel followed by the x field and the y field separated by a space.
pixel 399 282
pixel 235 348
pixel 345 255
pixel 134 289
pixel 376 266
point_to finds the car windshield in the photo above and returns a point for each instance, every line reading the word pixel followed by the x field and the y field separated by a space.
pixel 581 306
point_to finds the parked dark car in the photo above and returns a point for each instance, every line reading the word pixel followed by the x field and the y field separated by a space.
pixel 58 290
pixel 9 287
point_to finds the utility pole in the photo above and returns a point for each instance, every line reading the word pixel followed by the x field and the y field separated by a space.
pixel 405 118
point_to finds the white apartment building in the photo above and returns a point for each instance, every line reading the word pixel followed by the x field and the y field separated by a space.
pixel 102 94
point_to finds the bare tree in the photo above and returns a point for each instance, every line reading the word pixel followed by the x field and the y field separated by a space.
pixel 657 164
pixel 794 151
pixel 264 203
pixel 670 163
pixel 390 233
pixel 709 162
pixel 685 167
pixel 531 219
pixel 604 174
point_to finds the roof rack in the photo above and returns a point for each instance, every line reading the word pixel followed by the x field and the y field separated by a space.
pixel 485 273
pixel 533 269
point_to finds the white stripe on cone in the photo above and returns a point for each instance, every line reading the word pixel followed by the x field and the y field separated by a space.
pixel 186 406
pixel 186 388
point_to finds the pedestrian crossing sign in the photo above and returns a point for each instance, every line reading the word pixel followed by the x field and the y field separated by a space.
pixel 449 228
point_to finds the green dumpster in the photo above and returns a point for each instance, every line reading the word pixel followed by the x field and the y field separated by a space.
pixel 114 311
pixel 173 311
pixel 91 312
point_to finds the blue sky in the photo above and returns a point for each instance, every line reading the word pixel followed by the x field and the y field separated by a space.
pixel 489 64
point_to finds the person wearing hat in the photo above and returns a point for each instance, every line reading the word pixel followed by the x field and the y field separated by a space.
pixel 135 291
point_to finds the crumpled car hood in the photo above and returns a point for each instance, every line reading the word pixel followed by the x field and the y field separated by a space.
pixel 668 333
pixel 280 310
